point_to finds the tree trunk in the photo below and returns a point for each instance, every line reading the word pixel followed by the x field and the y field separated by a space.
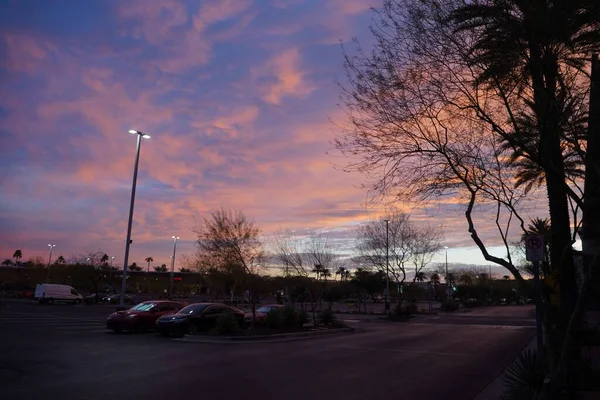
pixel 591 212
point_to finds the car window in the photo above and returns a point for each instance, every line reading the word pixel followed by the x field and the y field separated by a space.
pixel 74 292
pixel 143 306
pixel 166 307
pixel 193 309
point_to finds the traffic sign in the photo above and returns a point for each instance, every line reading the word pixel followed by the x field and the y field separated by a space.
pixel 534 248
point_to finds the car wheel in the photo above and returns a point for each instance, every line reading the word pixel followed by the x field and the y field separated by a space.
pixel 77 301
pixel 50 301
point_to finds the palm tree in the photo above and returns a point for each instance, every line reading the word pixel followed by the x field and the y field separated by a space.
pixel 420 277
pixel 6 262
pixel 61 260
pixel 104 258
pixel 325 273
pixel 317 270
pixel 162 268
pixel 149 260
pixel 532 49
pixel 17 255
pixel 135 267
pixel 435 279
pixel 341 271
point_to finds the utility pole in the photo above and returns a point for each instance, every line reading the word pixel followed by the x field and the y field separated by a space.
pixel 387 266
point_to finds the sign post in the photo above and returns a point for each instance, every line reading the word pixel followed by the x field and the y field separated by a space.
pixel 534 252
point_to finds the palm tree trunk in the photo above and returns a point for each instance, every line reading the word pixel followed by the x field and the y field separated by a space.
pixel 544 70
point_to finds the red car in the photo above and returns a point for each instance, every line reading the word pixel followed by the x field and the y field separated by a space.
pixel 261 313
pixel 143 316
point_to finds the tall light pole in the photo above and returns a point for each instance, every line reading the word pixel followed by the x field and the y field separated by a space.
pixel 447 283
pixel 140 135
pixel 52 246
pixel 175 238
pixel 387 266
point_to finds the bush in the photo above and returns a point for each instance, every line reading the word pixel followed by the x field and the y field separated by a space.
pixel 524 379
pixel 450 305
pixel 302 318
pixel 289 317
pixel 327 317
pixel 273 319
pixel 411 309
pixel 227 323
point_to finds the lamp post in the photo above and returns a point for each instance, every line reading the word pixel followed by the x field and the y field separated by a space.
pixel 387 266
pixel 175 238
pixel 52 246
pixel 447 282
pixel 140 135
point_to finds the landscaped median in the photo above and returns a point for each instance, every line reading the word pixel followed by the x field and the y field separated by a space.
pixel 282 323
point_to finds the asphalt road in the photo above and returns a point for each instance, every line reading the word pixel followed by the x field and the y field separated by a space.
pixel 63 352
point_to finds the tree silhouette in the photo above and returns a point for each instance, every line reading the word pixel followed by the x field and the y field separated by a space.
pixel 149 260
pixel 135 267
pixel 421 277
pixel 104 258
pixel 6 262
pixel 60 260
pixel 17 255
pixel 162 268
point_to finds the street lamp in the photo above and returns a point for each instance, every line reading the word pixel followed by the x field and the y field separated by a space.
pixel 446 247
pixel 387 266
pixel 52 246
pixel 175 238
pixel 140 135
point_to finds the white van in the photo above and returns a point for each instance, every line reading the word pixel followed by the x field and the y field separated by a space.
pixel 49 293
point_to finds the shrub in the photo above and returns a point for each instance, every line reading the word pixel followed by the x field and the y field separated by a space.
pixel 273 319
pixel 524 379
pixel 327 317
pixel 227 323
pixel 450 305
pixel 289 317
pixel 411 308
pixel 302 318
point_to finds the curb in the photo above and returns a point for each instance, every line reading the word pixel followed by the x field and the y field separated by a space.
pixel 294 335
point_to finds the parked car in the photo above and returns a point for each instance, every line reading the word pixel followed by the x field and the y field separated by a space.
pixel 197 317
pixel 93 298
pixel 261 313
pixel 50 293
pixel 116 299
pixel 142 317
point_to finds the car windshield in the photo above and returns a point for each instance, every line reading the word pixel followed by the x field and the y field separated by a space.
pixel 265 309
pixel 143 307
pixel 193 309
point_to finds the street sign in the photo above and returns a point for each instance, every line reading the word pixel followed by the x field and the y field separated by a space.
pixel 534 248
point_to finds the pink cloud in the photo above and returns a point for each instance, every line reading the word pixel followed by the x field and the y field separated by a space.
pixel 288 80
pixel 25 53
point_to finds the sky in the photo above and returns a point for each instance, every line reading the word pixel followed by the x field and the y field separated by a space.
pixel 241 101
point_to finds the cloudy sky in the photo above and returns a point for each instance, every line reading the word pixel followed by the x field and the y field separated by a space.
pixel 238 95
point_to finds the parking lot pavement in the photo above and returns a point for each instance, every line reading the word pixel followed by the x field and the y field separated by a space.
pixel 424 361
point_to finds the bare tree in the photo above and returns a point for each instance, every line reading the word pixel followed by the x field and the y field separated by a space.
pixel 305 256
pixel 401 242
pixel 229 242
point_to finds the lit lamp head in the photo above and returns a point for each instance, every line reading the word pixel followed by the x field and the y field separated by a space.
pixel 136 132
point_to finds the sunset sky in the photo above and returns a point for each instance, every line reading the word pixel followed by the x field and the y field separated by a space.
pixel 239 97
